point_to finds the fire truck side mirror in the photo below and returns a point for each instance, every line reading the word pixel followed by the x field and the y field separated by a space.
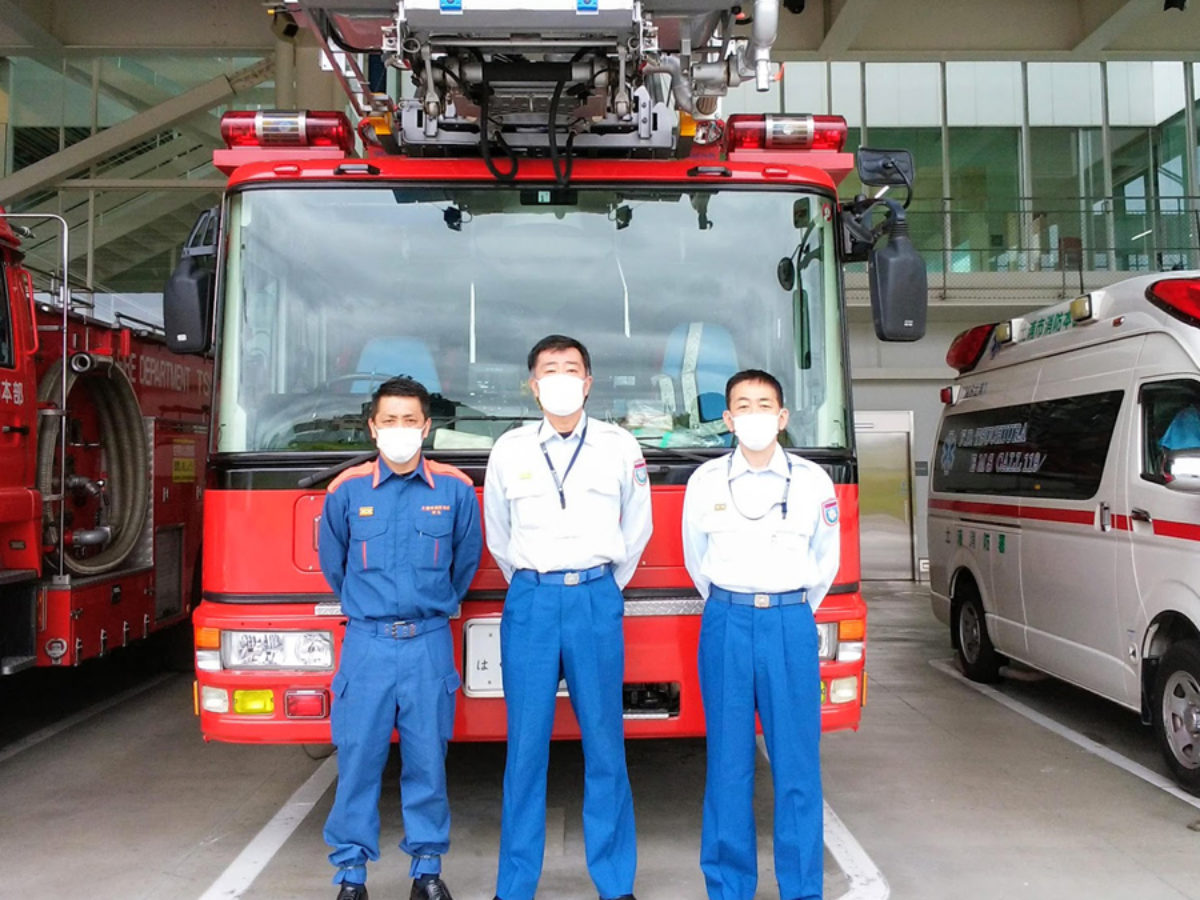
pixel 899 288
pixel 188 296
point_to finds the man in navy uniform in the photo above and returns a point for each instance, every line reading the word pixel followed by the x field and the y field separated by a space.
pixel 399 544
pixel 760 541
pixel 566 502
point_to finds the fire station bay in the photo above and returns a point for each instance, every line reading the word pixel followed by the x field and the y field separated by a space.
pixel 662 449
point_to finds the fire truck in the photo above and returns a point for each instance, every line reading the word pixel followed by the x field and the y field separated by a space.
pixel 550 168
pixel 102 438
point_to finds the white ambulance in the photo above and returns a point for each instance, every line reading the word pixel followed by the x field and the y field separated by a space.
pixel 1064 508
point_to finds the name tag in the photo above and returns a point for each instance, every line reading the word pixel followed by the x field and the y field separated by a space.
pixel 365 511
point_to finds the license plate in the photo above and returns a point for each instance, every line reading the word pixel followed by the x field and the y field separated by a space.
pixel 483 674
pixel 482 677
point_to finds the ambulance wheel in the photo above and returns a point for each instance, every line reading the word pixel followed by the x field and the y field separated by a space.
pixel 1176 708
pixel 976 655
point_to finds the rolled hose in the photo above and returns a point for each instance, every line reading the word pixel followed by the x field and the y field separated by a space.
pixel 123 438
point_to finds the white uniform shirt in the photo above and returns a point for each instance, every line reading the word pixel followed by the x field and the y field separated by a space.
pixel 735 535
pixel 607 514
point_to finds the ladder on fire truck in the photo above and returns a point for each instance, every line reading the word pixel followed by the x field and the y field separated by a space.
pixel 506 78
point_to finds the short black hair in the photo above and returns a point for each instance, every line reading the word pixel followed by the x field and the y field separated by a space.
pixel 401 387
pixel 559 342
pixel 753 375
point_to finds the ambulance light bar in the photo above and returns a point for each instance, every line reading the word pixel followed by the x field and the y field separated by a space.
pixel 967 349
pixel 269 128
pixel 1180 297
pixel 770 132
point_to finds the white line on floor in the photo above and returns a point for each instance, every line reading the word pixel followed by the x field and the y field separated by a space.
pixel 866 881
pixel 1108 755
pixel 32 740
pixel 240 874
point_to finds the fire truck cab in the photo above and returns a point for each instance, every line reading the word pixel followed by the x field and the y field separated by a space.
pixel 557 168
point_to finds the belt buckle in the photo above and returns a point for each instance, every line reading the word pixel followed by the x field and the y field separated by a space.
pixel 762 601
pixel 571 578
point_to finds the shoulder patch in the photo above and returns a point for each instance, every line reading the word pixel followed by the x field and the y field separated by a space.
pixel 439 468
pixel 640 473
pixel 366 469
pixel 829 512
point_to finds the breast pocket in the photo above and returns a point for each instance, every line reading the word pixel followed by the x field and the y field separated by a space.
pixel 792 537
pixel 533 501
pixel 370 546
pixel 433 544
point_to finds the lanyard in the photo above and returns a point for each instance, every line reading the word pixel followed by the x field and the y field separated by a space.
pixel 782 503
pixel 558 483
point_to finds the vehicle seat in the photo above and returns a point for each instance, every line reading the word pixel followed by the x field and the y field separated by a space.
pixel 392 356
pixel 699 359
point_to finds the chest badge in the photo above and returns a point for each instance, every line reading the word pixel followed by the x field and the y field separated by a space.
pixel 366 511
pixel 718 507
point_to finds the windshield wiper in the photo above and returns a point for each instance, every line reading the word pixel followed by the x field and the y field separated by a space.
pixel 654 451
pixel 331 471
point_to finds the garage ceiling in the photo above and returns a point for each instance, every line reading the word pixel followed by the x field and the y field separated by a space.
pixel 826 29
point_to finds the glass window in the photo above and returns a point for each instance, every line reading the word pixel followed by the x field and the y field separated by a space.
pixel 1170 421
pixel 1068 210
pixel 806 89
pixel 983 93
pixel 331 291
pixel 1053 449
pixel 1062 93
pixel 908 94
pixel 985 223
pixel 6 336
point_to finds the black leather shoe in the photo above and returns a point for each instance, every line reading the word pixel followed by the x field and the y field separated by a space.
pixel 429 889
pixel 352 892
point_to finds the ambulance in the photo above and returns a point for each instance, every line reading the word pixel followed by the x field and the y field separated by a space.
pixel 1064 508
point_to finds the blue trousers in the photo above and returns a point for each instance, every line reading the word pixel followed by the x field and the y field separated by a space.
pixel 765 660
pixel 382 683
pixel 579 625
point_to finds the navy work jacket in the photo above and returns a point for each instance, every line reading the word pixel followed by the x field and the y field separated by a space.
pixel 400 546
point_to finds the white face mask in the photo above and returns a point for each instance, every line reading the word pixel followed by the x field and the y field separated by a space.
pixel 756 431
pixel 399 444
pixel 560 395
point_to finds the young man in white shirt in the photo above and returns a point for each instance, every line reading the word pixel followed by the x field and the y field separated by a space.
pixel 761 543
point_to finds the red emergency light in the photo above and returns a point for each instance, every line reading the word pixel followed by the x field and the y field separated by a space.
pixel 267 128
pixel 967 348
pixel 771 132
pixel 1178 296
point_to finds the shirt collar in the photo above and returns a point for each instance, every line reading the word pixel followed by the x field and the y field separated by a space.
pixel 383 472
pixel 777 465
pixel 546 431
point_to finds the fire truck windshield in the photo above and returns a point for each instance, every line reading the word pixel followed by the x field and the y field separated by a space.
pixel 329 291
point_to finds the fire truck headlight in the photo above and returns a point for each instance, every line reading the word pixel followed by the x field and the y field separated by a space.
pixel 827 640
pixel 214 699
pixel 277 649
pixel 208 660
pixel 843 690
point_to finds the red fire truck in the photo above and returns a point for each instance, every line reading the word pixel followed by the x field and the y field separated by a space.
pixel 597 199
pixel 102 439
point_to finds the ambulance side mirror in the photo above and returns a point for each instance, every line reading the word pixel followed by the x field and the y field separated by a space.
pixel 1182 470
pixel 189 293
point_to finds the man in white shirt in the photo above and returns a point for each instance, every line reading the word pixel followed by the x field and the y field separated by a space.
pixel 761 543
pixel 566 505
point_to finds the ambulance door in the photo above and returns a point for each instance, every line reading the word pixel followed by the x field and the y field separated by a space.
pixel 1161 567
pixel 1068 547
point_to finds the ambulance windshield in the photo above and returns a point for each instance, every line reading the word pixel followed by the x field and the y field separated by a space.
pixel 329 291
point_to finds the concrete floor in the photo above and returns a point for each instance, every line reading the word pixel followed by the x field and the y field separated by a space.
pixel 948 794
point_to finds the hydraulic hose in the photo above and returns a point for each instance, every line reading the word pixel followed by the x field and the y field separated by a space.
pixel 485 148
pixel 562 175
